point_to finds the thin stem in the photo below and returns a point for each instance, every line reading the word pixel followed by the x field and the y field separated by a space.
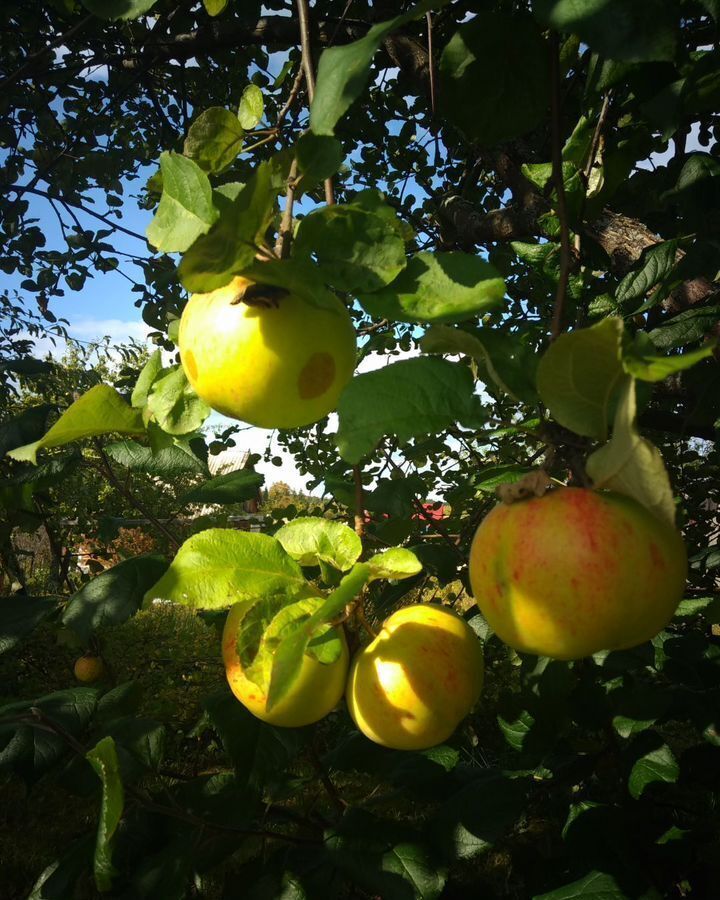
pixel 36 718
pixel 308 68
pixel 294 91
pixel 359 502
pixel 89 212
pixel 557 174
pixel 307 63
pixel 282 246
pixel 332 792
pixel 131 498
pixel 265 140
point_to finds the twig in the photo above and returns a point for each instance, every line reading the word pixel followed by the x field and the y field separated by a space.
pixel 59 41
pixel 363 620
pixel 282 246
pixel 307 64
pixel 359 503
pixel 590 161
pixel 33 190
pixel 431 66
pixel 294 91
pixel 330 788
pixel 36 718
pixel 131 498
pixel 557 175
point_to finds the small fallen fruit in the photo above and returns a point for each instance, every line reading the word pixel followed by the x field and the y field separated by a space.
pixel 89 669
pixel 314 694
pixel 414 683
pixel 264 356
pixel 575 572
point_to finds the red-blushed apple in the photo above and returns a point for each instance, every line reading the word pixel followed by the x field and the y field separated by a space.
pixel 275 362
pixel 314 694
pixel 575 572
pixel 414 683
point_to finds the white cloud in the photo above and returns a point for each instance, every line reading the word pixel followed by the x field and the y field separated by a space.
pixel 118 330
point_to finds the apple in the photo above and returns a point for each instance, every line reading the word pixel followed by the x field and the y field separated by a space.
pixel 272 360
pixel 316 692
pixel 89 669
pixel 575 572
pixel 411 687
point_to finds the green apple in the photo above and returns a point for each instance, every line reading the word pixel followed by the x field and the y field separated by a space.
pixel 274 361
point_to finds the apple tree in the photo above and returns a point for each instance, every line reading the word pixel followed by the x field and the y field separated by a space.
pixel 516 202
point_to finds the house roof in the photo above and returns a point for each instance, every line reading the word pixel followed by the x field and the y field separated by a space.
pixel 228 461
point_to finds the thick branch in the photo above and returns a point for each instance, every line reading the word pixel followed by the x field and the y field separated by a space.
pixel 274 32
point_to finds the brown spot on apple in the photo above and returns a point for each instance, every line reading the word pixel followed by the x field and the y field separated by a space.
pixel 316 376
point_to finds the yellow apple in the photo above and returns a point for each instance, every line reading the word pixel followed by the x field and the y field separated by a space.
pixel 576 571
pixel 89 669
pixel 275 361
pixel 411 687
pixel 317 690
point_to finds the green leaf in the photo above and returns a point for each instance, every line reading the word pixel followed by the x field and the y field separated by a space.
pixel 27 367
pixel 579 377
pixel 516 730
pixel 310 540
pixel 438 287
pixel 299 276
pixel 396 564
pixel 358 245
pixel 408 399
pixel 470 821
pixel 250 110
pixel 630 464
pixel 174 404
pixel 494 77
pixel 385 859
pixel 593 886
pixel 655 266
pixel 146 378
pixel 24 428
pixel 510 361
pixel 113 596
pixel 58 880
pixel 32 751
pixel 19 616
pixel 167 462
pixel 215 7
pixel 186 208
pixel 214 140
pixel 232 487
pixel 118 9
pixel 275 625
pixel 686 328
pixel 289 652
pixel 103 758
pixel 618 29
pixel 216 568
pixel 319 156
pixel 100 411
pixel 257 751
pixel 640 362
pixel 231 244
pixel 343 71
pixel 657 765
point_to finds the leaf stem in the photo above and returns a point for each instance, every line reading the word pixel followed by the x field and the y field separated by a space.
pixel 359 503
pixel 557 174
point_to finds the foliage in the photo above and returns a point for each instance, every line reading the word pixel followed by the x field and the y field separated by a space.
pixel 552 168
